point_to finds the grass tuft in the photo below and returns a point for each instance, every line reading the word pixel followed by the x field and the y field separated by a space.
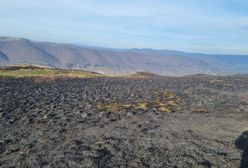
pixel 166 102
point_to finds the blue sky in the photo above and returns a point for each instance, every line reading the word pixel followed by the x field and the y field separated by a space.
pixel 209 26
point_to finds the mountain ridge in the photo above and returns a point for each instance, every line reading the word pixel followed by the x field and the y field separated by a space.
pixel 117 61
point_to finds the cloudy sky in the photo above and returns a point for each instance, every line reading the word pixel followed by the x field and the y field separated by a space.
pixel 210 26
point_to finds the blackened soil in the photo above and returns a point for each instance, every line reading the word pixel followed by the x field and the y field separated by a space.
pixel 59 123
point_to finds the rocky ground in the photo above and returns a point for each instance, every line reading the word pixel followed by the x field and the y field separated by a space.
pixel 194 121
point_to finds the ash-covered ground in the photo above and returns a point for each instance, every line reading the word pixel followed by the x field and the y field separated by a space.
pixel 197 121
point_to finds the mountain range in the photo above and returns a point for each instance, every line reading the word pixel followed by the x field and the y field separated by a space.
pixel 117 61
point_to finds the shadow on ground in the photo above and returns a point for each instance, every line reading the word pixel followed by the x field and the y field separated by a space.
pixel 242 144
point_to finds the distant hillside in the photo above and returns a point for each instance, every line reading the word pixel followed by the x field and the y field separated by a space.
pixel 117 61
pixel 3 59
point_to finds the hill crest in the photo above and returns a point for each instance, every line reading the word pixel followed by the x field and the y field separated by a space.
pixel 117 61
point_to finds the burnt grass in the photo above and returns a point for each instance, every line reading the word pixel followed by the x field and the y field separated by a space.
pixel 189 121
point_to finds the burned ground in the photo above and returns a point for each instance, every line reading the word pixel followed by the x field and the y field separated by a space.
pixel 119 122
